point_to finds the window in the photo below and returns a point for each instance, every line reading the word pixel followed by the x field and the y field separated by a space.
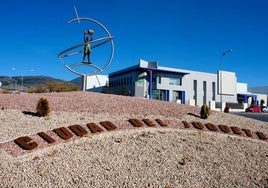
pixel 205 92
pixel 195 91
pixel 159 79
pixel 158 94
pixel 175 81
pixel 130 80
pixel 213 91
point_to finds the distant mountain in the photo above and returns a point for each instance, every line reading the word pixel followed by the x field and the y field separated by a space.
pixel 77 81
pixel 22 83
pixel 259 90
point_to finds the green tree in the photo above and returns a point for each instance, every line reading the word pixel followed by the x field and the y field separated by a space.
pixel 54 87
pixel 262 102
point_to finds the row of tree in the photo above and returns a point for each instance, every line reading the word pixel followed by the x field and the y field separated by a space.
pixel 54 87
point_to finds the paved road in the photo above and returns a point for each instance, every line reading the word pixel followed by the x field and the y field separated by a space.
pixel 257 116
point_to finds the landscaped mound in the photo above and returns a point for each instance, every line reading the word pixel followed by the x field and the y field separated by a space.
pixel 130 155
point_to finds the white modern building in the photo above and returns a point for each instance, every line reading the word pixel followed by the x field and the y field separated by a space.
pixel 149 80
pixel 93 83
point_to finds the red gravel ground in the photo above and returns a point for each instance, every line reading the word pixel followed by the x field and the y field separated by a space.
pixel 95 103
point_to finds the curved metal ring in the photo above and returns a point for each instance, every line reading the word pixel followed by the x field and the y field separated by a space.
pixel 63 53
pixel 109 38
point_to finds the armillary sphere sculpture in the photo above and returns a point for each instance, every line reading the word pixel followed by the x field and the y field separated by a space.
pixel 99 55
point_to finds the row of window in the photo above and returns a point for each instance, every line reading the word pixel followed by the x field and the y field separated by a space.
pixel 204 91
pixel 172 81
pixel 128 80
pixel 121 82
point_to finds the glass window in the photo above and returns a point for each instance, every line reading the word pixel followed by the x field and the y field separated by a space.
pixel 195 92
pixel 158 94
pixel 204 92
pixel 175 81
pixel 213 91
pixel 159 79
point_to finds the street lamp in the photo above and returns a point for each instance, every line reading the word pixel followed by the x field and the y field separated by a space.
pixel 31 70
pixel 220 72
pixel 15 83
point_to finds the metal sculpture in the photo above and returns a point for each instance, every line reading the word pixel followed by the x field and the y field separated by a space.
pixel 93 68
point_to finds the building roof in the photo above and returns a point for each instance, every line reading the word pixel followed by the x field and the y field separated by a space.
pixel 149 66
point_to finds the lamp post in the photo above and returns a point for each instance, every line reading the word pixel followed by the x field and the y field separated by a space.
pixel 22 82
pixel 220 73
pixel 31 70
pixel 15 83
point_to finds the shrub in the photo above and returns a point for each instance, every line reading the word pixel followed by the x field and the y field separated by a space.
pixel 226 109
pixel 54 87
pixel 262 102
pixel 4 91
pixel 205 111
pixel 42 107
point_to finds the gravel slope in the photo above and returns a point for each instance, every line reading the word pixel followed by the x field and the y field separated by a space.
pixel 143 157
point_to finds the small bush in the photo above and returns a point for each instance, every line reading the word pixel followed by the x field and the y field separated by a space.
pixel 42 107
pixel 205 111
pixel 262 102
pixel 4 91
pixel 54 87
pixel 226 109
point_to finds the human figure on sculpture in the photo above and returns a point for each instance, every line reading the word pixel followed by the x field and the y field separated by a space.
pixel 87 47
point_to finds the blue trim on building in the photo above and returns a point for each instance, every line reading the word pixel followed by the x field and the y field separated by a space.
pixel 151 70
pixel 246 96
pixel 166 95
pixel 183 97
pixel 124 71
pixel 138 67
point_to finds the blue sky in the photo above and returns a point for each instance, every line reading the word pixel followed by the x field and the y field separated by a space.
pixel 184 34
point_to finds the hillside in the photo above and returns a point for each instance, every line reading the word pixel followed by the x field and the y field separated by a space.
pixel 259 90
pixel 22 83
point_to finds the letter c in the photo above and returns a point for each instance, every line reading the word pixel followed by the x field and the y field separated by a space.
pixel 25 143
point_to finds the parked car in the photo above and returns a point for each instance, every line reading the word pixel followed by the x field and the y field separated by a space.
pixel 264 108
pixel 253 109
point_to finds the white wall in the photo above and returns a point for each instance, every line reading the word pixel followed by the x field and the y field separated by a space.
pixel 260 97
pixel 187 86
pixel 227 83
pixel 242 88
pixel 96 81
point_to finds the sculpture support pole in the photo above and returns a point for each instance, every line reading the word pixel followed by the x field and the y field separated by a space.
pixel 84 82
